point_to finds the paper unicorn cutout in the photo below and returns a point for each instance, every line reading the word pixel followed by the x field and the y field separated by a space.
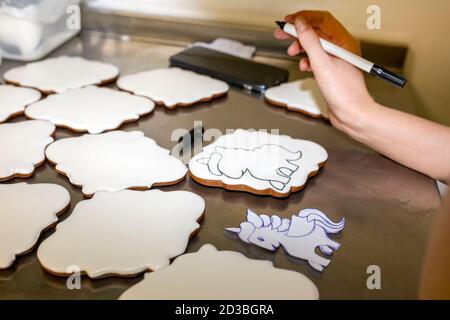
pixel 269 162
pixel 299 236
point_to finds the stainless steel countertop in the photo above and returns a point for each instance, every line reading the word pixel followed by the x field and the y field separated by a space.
pixel 388 208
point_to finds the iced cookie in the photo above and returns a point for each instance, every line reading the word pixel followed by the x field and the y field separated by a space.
pixel 173 87
pixel 23 147
pixel 210 274
pixel 123 233
pixel 114 161
pixel 303 96
pixel 13 100
pixel 60 74
pixel 90 109
pixel 258 162
pixel 26 210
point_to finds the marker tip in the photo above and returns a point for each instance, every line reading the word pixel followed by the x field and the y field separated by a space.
pixel 281 24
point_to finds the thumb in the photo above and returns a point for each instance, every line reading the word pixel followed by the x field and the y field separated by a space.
pixel 311 43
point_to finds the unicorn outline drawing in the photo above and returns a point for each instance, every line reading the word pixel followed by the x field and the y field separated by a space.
pixel 269 162
pixel 299 236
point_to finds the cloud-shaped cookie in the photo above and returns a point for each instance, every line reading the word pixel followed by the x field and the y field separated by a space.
pixel 60 74
pixel 222 275
pixel 123 233
pixel 115 161
pixel 302 95
pixel 25 211
pixel 173 87
pixel 90 109
pixel 23 147
pixel 258 162
pixel 13 100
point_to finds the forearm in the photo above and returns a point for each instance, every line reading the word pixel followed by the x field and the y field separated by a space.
pixel 409 140
pixel 412 141
pixel 436 269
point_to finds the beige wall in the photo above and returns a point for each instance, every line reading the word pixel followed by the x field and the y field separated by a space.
pixel 420 24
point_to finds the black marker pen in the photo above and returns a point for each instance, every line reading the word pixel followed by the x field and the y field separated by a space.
pixel 351 58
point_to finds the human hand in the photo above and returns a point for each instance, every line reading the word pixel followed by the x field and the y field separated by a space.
pixel 341 84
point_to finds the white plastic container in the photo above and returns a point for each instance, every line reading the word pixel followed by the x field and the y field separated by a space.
pixel 30 29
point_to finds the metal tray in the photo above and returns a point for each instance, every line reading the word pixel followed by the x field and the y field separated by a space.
pixel 388 208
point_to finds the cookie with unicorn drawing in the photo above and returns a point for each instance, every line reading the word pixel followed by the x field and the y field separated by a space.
pixel 258 162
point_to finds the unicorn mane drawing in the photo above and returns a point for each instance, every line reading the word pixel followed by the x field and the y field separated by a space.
pixel 270 162
pixel 299 236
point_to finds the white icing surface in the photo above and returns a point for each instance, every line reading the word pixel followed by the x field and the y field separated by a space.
pixel 13 100
pixel 115 161
pixel 210 274
pixel 25 211
pixel 91 109
pixel 23 145
pixel 259 160
pixel 123 233
pixel 173 86
pixel 61 74
pixel 302 95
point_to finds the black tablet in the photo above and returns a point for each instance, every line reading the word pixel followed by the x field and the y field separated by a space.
pixel 234 70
